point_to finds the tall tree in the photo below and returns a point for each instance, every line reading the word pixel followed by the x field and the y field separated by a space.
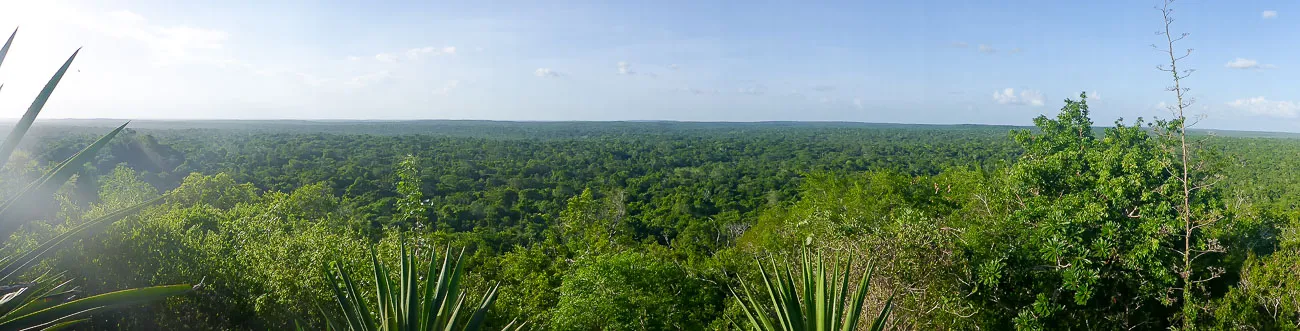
pixel 411 206
pixel 1192 175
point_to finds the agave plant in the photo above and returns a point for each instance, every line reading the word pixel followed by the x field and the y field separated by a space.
pixel 48 301
pixel 433 301
pixel 824 304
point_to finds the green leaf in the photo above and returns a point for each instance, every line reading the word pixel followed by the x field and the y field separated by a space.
pixel 65 325
pixel 20 129
pixel 17 265
pixel 818 302
pixel 5 51
pixel 25 306
pixel 879 323
pixel 401 305
pixel 47 184
pixel 82 307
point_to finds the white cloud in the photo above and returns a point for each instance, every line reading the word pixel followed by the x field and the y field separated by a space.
pixel 415 53
pixel 960 44
pixel 354 58
pixel 1241 63
pixel 1005 96
pixel 823 88
pixel 673 66
pixel 1267 14
pixel 1016 50
pixel 1264 107
pixel 168 44
pixel 547 72
pixel 987 49
pixel 857 103
pixel 1094 96
pixel 1008 96
pixel 625 69
pixel 369 79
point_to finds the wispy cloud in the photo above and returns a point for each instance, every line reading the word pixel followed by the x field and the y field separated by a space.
pixel 546 72
pixel 1264 107
pixel 697 91
pixel 414 53
pixel 312 80
pixel 1008 96
pixel 960 44
pixel 755 90
pixel 625 68
pixel 369 79
pixel 168 44
pixel 673 66
pixel 987 49
pixel 1242 63
pixel 1016 50
pixel 1268 14
pixel 823 88
pixel 857 103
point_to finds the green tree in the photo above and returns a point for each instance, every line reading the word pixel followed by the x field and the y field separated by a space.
pixel 593 226
pixel 634 291
pixel 411 205
pixel 1197 177
pixel 1094 234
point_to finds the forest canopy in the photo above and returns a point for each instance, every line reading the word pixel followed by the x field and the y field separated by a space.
pixel 605 226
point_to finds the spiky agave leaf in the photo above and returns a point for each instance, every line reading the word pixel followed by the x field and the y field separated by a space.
pixel 68 325
pixel 20 129
pixel 15 266
pixel 818 302
pixel 407 303
pixel 45 303
pixel 82 307
pixel 5 51
pixel 10 215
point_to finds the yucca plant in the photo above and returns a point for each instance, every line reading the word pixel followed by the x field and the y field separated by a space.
pixel 48 301
pixel 819 301
pixel 432 301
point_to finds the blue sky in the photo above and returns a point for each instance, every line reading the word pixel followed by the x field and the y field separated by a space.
pixel 990 62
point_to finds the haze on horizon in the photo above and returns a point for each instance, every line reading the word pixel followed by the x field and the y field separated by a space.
pixel 930 62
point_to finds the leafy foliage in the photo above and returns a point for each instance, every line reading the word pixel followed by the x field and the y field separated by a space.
pixel 1061 224
pixel 628 291
pixel 47 302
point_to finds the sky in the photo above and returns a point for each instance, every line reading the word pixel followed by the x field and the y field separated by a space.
pixel 932 62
